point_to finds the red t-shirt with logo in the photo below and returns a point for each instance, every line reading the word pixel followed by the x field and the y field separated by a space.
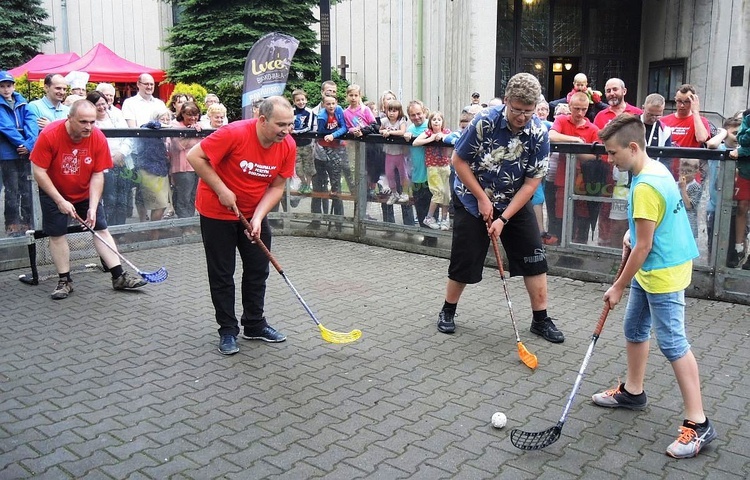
pixel 588 132
pixel 70 165
pixel 683 130
pixel 605 116
pixel 245 167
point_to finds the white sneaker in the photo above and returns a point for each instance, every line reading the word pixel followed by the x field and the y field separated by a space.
pixel 432 223
pixel 393 198
pixel 445 225
pixel 403 198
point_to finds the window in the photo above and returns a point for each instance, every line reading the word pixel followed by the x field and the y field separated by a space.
pixel 665 76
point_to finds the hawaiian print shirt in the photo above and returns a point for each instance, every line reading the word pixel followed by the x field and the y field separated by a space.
pixel 500 159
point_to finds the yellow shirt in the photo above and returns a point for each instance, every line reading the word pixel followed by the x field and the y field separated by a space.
pixel 648 204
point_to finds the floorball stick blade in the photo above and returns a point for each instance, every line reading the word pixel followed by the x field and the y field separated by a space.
pixel 528 358
pixel 338 337
pixel 155 277
pixel 535 440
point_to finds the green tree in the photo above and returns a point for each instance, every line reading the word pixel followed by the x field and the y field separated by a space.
pixel 211 38
pixel 23 31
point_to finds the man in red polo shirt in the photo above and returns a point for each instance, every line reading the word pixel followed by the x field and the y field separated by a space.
pixel 689 128
pixel 614 91
pixel 576 128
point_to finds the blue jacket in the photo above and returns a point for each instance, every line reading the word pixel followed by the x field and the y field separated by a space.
pixel 337 132
pixel 17 127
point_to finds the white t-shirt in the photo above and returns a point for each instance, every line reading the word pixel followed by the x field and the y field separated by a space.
pixel 139 109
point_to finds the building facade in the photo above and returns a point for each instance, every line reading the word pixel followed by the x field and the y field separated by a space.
pixel 135 30
pixel 441 51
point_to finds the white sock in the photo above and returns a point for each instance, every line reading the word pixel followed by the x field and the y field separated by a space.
pixel 739 247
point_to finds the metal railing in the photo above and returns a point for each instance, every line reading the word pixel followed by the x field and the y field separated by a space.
pixel 368 218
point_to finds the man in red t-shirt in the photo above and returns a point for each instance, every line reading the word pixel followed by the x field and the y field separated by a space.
pixel 68 162
pixel 615 92
pixel 242 167
pixel 576 128
pixel 689 128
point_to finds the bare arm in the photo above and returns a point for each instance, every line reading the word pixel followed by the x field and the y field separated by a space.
pixel 198 159
pixel 701 133
pixel 96 187
pixel 271 198
pixel 423 139
pixel 45 183
pixel 645 238
pixel 715 141
pixel 555 136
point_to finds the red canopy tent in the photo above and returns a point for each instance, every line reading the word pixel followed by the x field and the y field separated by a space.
pixel 102 65
pixel 42 62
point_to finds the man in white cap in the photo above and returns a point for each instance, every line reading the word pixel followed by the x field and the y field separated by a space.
pixel 77 82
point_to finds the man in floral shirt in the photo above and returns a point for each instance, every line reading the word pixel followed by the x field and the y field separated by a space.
pixel 499 161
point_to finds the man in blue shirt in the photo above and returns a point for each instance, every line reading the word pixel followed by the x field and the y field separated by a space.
pixel 500 160
pixel 50 107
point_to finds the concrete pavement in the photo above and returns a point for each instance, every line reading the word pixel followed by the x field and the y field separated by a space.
pixel 114 385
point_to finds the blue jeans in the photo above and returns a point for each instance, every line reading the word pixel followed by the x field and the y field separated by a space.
pixel 665 311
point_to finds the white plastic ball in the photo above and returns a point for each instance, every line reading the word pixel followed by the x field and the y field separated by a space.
pixel 499 420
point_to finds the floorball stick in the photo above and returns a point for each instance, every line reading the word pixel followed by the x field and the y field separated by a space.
pixel 328 335
pixel 528 358
pixel 545 438
pixel 151 277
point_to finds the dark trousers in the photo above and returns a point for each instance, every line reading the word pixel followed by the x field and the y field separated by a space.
pixel 319 184
pixel 117 188
pixel 422 197
pixel 221 240
pixel 554 223
pixel 17 191
pixel 183 193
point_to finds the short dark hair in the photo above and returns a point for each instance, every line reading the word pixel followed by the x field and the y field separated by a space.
pixel 686 88
pixel 623 129
pixel 95 96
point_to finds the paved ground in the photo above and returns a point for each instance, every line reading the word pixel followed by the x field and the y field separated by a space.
pixel 112 385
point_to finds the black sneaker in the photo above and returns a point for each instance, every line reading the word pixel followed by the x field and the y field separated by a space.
pixel 692 438
pixel 127 281
pixel 268 334
pixel 746 265
pixel 63 289
pixel 445 323
pixel 547 330
pixel 228 345
pixel 618 398
pixel 735 258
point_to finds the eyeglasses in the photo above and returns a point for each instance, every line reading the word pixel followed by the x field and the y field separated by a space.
pixel 682 102
pixel 525 113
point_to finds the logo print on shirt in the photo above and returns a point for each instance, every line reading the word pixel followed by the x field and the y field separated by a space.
pixel 257 169
pixel 70 163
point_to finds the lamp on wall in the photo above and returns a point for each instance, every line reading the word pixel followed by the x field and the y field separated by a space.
pixel 568 66
pixel 557 67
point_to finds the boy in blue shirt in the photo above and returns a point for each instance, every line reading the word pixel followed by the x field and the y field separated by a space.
pixel 658 270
